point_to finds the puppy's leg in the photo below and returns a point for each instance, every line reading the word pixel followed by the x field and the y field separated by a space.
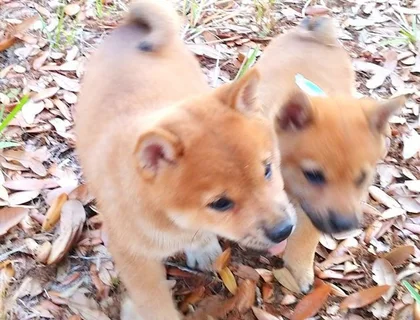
pixel 145 280
pixel 203 251
pixel 300 251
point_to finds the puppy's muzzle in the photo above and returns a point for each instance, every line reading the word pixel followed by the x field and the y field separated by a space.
pixel 280 231
pixel 331 221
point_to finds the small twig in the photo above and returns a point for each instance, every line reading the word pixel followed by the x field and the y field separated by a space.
pixel 90 258
pixel 186 269
pixel 4 256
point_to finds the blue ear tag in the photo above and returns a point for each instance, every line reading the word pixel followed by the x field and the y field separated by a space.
pixel 308 87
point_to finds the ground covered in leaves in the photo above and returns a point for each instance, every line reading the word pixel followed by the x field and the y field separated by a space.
pixel 53 258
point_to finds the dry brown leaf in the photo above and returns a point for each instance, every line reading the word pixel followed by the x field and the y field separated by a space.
pixel 40 60
pixel 82 194
pixel 10 217
pixel 43 252
pixel 205 50
pixel 267 275
pixel 411 144
pixel 30 184
pixel 63 109
pixel 223 260
pixel 228 279
pixel 15 35
pixel 54 212
pixel 392 213
pixel 413 185
pixel 363 297
pixel 263 315
pixel 343 247
pixel 245 295
pixel 31 109
pixel 192 298
pixel 285 278
pixel 73 216
pixel 413 227
pixel 380 196
pixel 384 273
pixel 399 255
pixel 311 303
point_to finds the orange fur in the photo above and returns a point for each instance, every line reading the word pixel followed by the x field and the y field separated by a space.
pixel 329 146
pixel 158 147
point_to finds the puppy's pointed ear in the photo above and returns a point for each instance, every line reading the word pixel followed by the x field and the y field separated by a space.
pixel 379 114
pixel 296 113
pixel 242 94
pixel 156 149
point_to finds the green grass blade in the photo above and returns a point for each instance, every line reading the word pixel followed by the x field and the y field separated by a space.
pixel 248 63
pixel 412 291
pixel 13 113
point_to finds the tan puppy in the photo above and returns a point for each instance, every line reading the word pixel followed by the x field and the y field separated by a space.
pixel 329 146
pixel 171 163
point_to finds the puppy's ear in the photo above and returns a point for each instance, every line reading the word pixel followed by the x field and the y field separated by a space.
pixel 380 113
pixel 156 149
pixel 296 113
pixel 242 94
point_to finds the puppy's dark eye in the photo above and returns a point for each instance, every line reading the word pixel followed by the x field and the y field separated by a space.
pixel 361 179
pixel 314 176
pixel 222 204
pixel 268 172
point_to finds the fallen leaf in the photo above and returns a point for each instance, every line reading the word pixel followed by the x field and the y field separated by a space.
pixel 43 252
pixel 30 184
pixel 45 94
pixel 263 315
pixel 384 273
pixel 310 304
pixel 54 212
pixel 399 255
pixel 19 198
pixel 409 204
pixel 267 275
pixel 380 196
pixel 73 216
pixel 228 279
pixel 411 144
pixel 205 50
pixel 14 36
pixel 31 109
pixel 413 185
pixel 66 83
pixel 285 278
pixel 363 297
pixel 10 217
pixel 192 298
pixel 328 242
pixel 86 307
pixel 223 260
pixel 392 213
pixel 245 295
pixel 82 194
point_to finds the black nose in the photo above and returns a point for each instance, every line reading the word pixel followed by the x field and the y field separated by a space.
pixel 341 223
pixel 280 231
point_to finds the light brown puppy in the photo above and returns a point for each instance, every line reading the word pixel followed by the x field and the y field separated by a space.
pixel 330 145
pixel 173 164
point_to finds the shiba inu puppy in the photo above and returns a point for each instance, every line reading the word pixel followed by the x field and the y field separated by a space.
pixel 172 163
pixel 329 145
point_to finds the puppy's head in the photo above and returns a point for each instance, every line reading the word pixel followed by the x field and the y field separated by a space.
pixel 213 166
pixel 329 149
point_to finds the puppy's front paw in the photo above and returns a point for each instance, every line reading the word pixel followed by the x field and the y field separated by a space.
pixel 304 277
pixel 203 254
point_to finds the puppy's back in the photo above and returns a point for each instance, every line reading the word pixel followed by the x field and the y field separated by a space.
pixel 311 49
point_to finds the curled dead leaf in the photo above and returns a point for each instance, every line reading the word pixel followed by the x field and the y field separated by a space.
pixel 228 279
pixel 363 297
pixel 192 298
pixel 73 216
pixel 223 260
pixel 245 295
pixel 43 252
pixel 311 303
pixel 53 214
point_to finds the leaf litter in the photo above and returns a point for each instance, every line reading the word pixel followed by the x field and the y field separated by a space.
pixel 49 220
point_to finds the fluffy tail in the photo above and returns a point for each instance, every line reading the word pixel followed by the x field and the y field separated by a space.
pixel 320 29
pixel 160 20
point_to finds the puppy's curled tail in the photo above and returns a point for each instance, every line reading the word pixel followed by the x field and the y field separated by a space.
pixel 158 18
pixel 321 29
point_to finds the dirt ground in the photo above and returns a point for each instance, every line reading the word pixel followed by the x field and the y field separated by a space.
pixel 53 258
